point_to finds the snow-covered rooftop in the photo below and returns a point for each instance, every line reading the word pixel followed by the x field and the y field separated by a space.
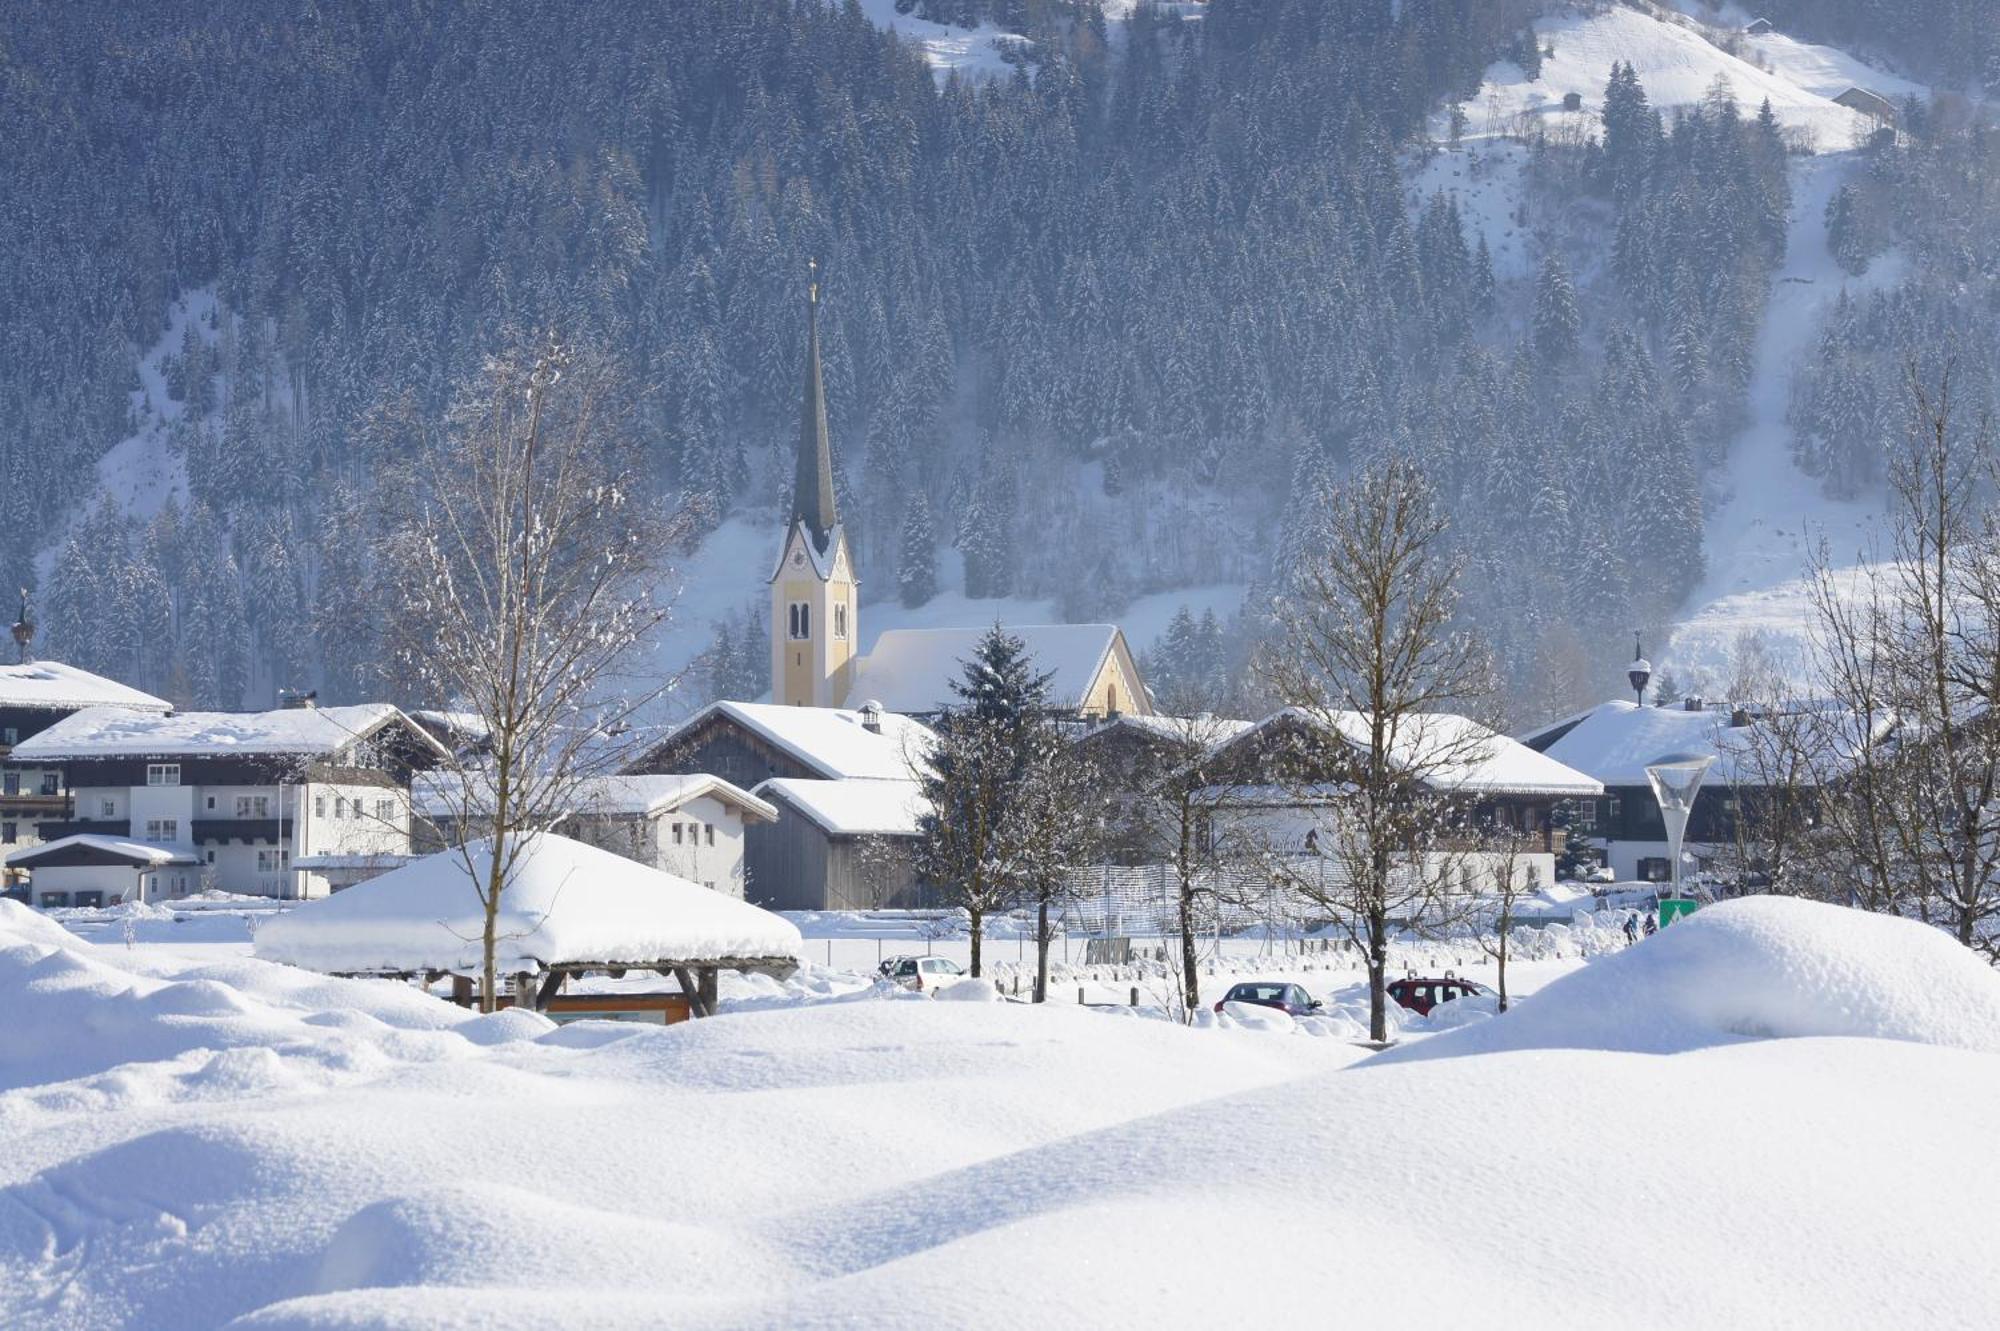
pixel 566 904
pixel 912 670
pixel 441 794
pixel 853 808
pixel 1453 753
pixel 830 740
pixel 1197 730
pixel 59 687
pixel 137 852
pixel 114 732
pixel 1614 741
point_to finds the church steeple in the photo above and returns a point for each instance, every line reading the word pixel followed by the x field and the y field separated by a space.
pixel 815 597
pixel 812 494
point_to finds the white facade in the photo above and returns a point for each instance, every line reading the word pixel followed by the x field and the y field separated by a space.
pixel 319 818
pixel 700 840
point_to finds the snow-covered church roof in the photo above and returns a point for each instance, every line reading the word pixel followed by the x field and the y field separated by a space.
pixel 54 686
pixel 121 732
pixel 566 904
pixel 912 670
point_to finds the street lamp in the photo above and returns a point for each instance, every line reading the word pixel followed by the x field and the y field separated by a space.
pixel 1675 779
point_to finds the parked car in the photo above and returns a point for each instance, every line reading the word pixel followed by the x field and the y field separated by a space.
pixel 921 973
pixel 1422 993
pixel 1287 998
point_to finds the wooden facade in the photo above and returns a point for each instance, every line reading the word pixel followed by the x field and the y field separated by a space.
pixel 796 864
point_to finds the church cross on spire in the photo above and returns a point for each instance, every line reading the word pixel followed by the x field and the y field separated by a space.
pixel 812 494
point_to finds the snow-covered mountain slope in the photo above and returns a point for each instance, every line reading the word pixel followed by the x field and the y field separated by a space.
pixel 1764 515
pixel 1677 63
pixel 974 52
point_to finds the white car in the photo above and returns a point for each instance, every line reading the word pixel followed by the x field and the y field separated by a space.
pixel 924 973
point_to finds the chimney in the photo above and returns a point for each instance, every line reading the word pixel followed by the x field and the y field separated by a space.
pixel 871 717
pixel 295 700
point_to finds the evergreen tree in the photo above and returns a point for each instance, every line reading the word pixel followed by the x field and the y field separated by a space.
pixel 916 568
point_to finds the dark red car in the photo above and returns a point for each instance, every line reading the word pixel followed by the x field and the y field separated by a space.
pixel 1420 994
pixel 1287 998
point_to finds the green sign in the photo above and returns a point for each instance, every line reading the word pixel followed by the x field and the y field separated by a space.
pixel 1672 908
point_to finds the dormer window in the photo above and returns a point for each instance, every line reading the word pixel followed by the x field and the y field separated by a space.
pixel 801 621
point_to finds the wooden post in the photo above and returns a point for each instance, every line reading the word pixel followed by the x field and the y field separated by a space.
pixel 693 990
pixel 1079 993
pixel 461 990
pixel 1135 995
pixel 709 979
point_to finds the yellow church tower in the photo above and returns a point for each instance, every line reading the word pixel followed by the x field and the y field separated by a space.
pixel 815 595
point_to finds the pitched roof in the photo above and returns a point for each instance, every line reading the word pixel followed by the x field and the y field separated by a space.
pixel 912 670
pixel 566 903
pixel 1452 753
pixel 830 740
pixel 124 848
pixel 440 794
pixel 853 808
pixel 59 687
pixel 120 732
pixel 1614 741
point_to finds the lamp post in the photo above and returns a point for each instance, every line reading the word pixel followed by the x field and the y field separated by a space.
pixel 1675 780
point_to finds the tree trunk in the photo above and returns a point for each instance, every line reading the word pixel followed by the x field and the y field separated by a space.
pixel 1505 920
pixel 978 921
pixel 1378 977
pixel 1042 949
pixel 1191 982
pixel 490 933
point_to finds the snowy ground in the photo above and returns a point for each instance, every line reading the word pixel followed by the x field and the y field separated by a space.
pixel 235 1143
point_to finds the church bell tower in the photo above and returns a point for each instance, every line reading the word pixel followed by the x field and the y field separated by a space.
pixel 815 595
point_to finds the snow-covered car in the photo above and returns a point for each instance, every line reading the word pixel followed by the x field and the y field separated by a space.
pixel 1290 999
pixel 1422 993
pixel 924 973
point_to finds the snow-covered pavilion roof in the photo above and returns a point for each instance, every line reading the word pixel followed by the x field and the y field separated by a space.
pixel 912 670
pixel 567 904
pixel 830 740
pixel 1451 752
pixel 118 847
pixel 121 732
pixel 853 808
pixel 58 687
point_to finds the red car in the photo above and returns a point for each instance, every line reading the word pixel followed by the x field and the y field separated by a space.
pixel 1421 994
pixel 1287 998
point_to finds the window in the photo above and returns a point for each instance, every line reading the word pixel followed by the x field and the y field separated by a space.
pixel 677 834
pixel 1612 808
pixel 840 620
pixel 107 808
pixel 385 810
pixel 1111 699
pixel 340 806
pixel 163 829
pixel 163 774
pixel 10 784
pixel 210 856
pixel 11 736
pixel 7 833
pixel 251 806
pixel 273 861
pixel 51 783
pixel 319 806
pixel 708 833
pixel 1586 815
pixel 801 620
pixel 211 804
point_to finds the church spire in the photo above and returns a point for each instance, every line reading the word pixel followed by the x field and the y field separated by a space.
pixel 812 495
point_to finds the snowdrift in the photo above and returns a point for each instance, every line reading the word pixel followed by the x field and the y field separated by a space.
pixel 1761 968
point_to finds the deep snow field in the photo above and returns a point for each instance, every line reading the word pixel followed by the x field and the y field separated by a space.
pixel 1772 1114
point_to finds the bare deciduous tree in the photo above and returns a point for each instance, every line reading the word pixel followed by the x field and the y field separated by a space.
pixel 1372 660
pixel 523 576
